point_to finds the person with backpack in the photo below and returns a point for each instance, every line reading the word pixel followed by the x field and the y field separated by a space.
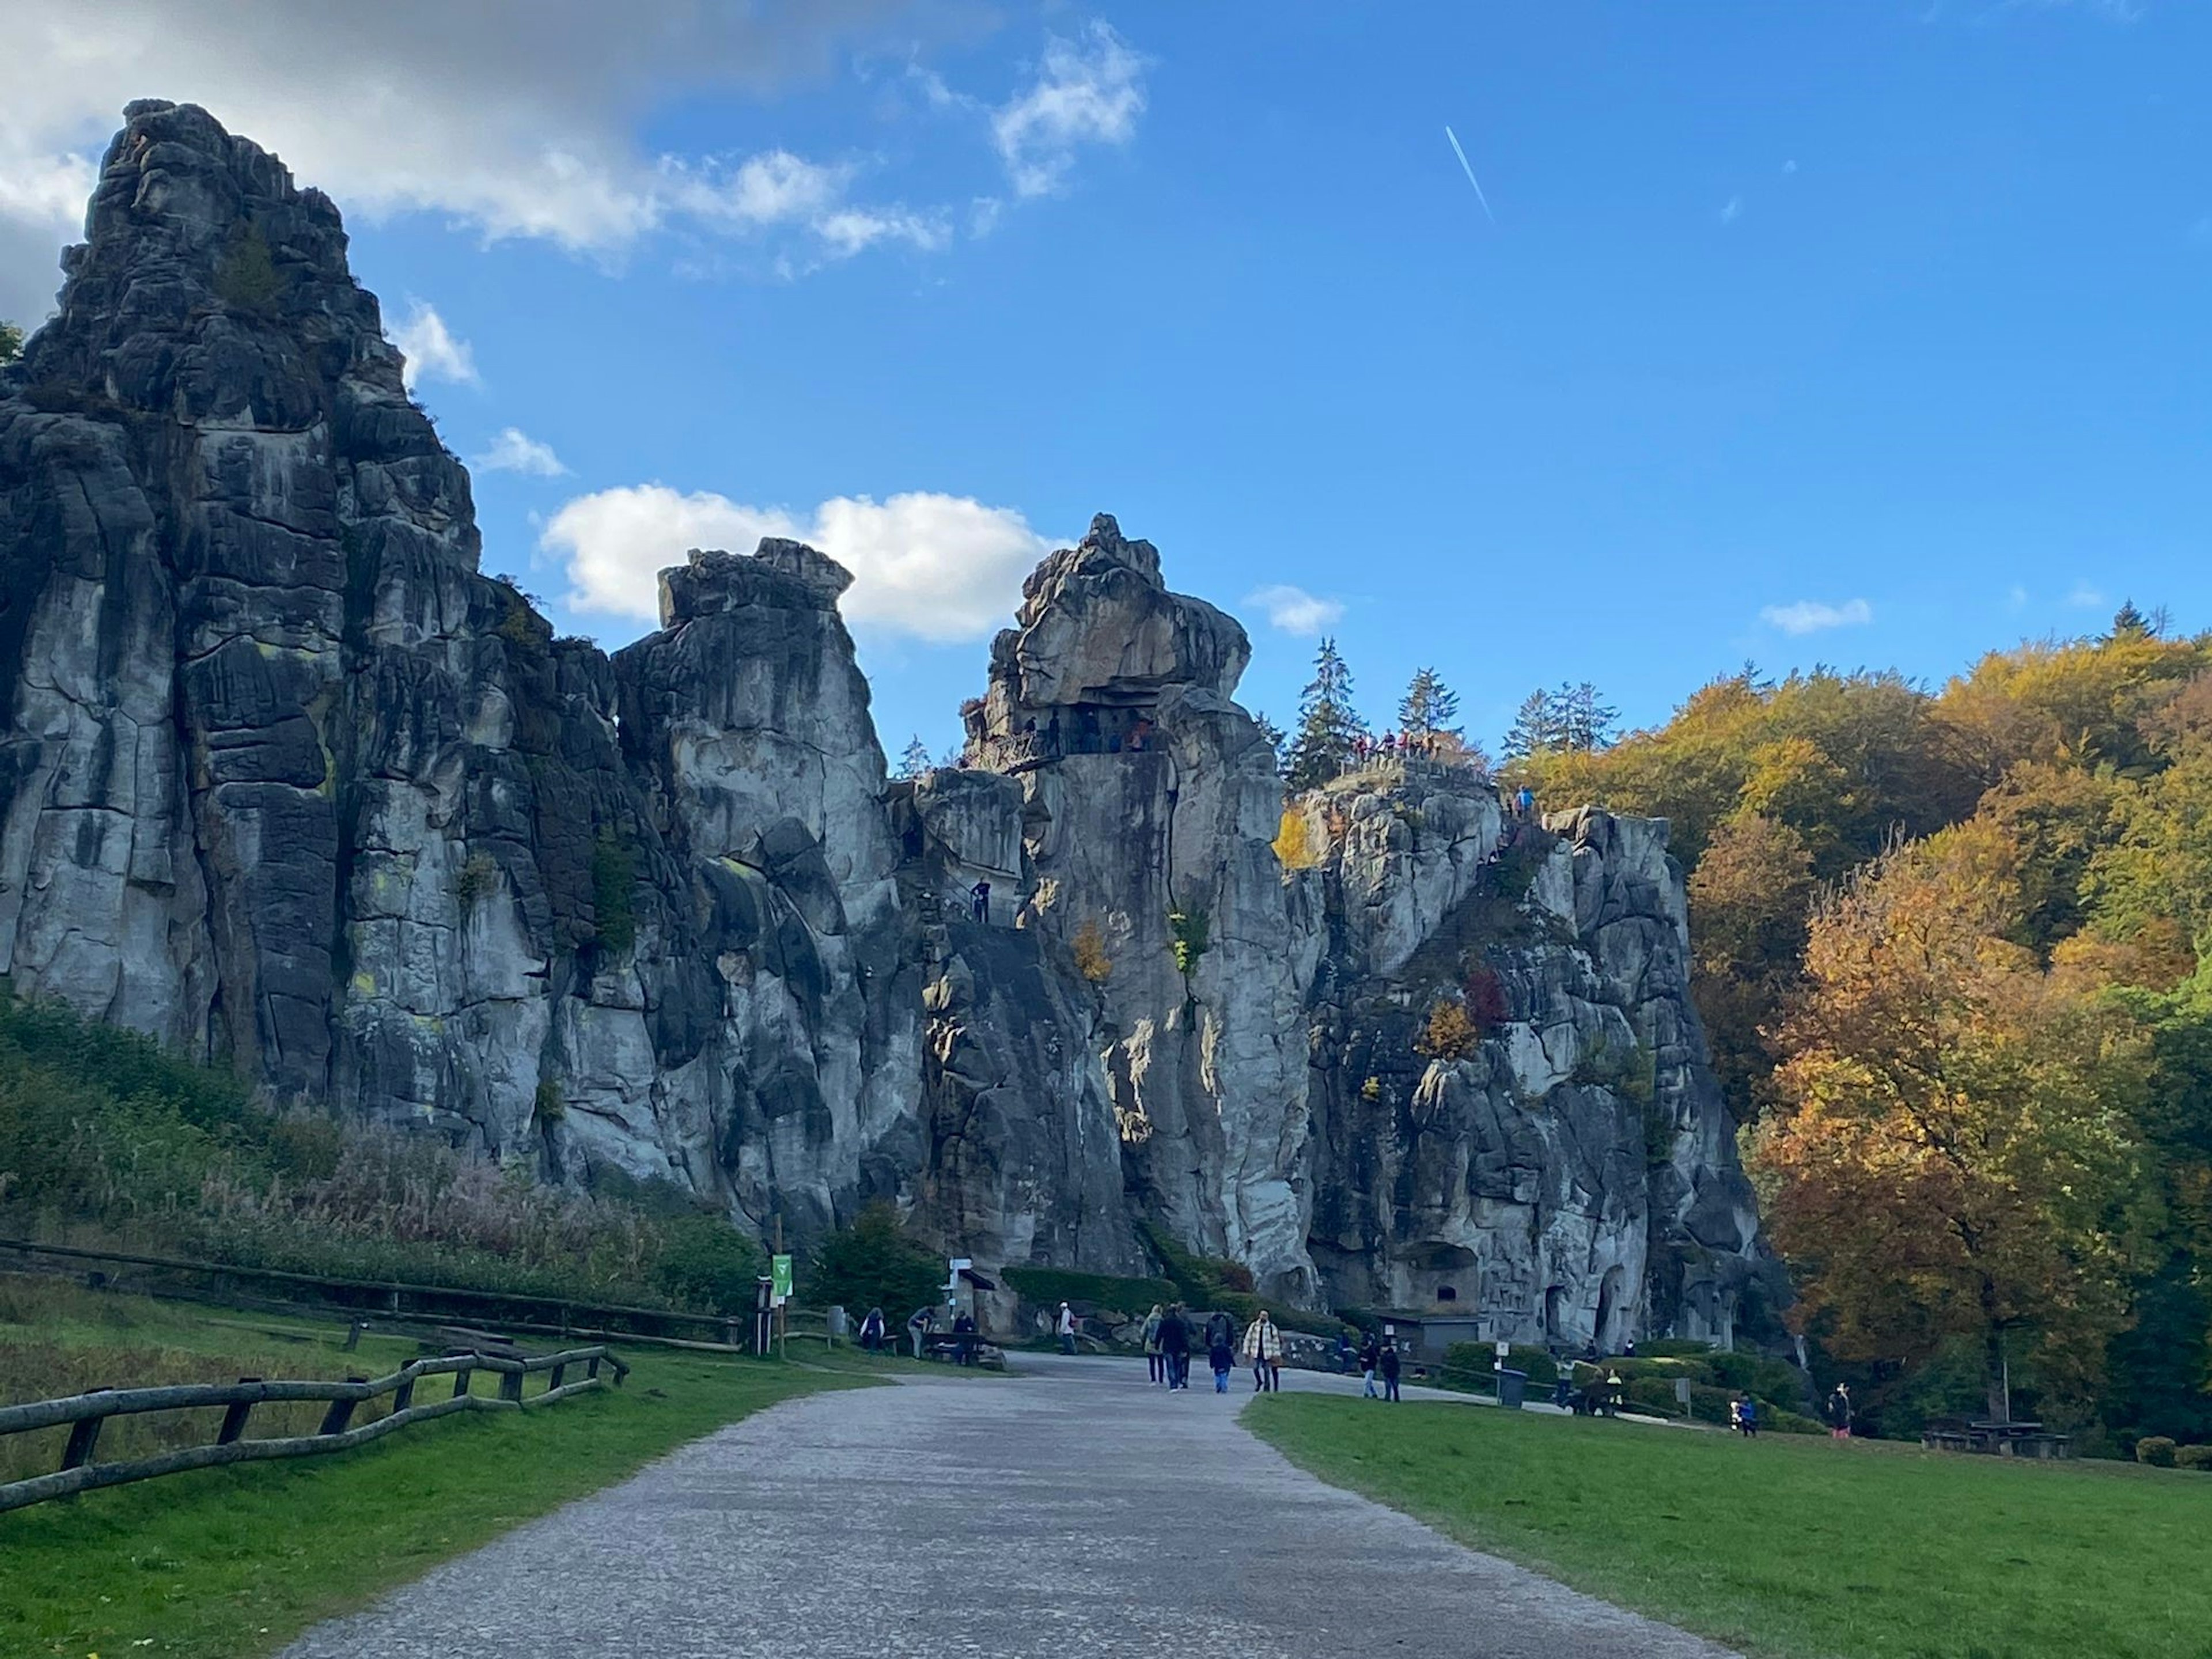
pixel 1370 1355
pixel 1175 1349
pixel 871 1331
pixel 1154 1364
pixel 1838 1412
pixel 1263 1346
pixel 1389 1368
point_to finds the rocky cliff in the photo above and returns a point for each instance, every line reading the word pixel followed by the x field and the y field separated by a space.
pixel 288 780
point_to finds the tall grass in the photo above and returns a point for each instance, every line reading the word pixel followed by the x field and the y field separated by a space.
pixel 100 1130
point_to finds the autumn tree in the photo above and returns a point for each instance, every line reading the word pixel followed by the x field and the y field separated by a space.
pixel 1952 1138
pixel 1329 728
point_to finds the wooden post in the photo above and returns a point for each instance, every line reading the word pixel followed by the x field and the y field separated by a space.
pixel 510 1384
pixel 460 1381
pixel 340 1414
pixel 782 1313
pixel 593 1371
pixel 353 1334
pixel 84 1437
pixel 403 1396
pixel 558 1371
pixel 234 1418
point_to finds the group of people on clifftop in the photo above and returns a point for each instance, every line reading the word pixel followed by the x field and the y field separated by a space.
pixel 1171 1335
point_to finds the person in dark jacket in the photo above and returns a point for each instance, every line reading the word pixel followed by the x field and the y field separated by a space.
pixel 871 1331
pixel 1389 1367
pixel 1220 1351
pixel 1174 1347
pixel 1839 1413
pixel 1370 1355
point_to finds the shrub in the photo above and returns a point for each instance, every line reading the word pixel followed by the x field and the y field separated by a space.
pixel 874 1264
pixel 1186 936
pixel 1089 948
pixel 1047 1287
pixel 614 892
pixel 548 1106
pixel 11 342
pixel 2157 1450
pixel 2192 1457
pixel 1297 848
pixel 1448 1034
pixel 1371 1090
pixel 246 277
pixel 474 880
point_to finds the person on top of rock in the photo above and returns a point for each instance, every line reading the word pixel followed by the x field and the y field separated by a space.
pixel 1066 1326
pixel 1155 1366
pixel 1174 1348
pixel 1263 1346
pixel 1838 1412
pixel 1389 1365
pixel 979 897
pixel 1524 801
pixel 1371 1354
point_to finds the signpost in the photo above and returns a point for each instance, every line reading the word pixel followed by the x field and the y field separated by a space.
pixel 1682 1394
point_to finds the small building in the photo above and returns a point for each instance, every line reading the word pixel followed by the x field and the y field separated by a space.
pixel 1430 1336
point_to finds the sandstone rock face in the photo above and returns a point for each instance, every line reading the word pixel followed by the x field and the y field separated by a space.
pixel 284 778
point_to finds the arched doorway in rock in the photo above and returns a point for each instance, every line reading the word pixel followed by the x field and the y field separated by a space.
pixel 1609 1314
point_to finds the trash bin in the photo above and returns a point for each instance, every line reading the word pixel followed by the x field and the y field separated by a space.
pixel 1511 1386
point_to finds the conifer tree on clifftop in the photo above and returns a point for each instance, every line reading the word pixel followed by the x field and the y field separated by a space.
pixel 1570 718
pixel 1328 727
pixel 914 761
pixel 1430 707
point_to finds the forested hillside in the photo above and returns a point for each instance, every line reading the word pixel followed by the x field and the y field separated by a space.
pixel 1954 950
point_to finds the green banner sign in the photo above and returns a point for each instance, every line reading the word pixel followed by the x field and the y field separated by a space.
pixel 779 1272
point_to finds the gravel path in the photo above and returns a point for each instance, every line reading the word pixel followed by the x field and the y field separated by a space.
pixel 1071 1510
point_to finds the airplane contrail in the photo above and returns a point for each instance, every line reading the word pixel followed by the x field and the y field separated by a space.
pixel 1471 179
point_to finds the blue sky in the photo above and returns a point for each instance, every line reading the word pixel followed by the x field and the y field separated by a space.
pixel 1868 332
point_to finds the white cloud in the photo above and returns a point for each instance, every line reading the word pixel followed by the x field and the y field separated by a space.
pixel 1293 609
pixel 432 351
pixel 2085 598
pixel 940 567
pixel 515 451
pixel 1788 167
pixel 1733 212
pixel 515 117
pixel 1811 616
pixel 1088 91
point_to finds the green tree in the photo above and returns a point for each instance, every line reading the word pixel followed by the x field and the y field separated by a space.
pixel 1328 727
pixel 1585 721
pixel 11 342
pixel 914 760
pixel 873 1263
pixel 1535 729
pixel 1277 738
pixel 1429 708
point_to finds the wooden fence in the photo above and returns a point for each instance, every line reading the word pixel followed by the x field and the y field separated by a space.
pixel 85 1413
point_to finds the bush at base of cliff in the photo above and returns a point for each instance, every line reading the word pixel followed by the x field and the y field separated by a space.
pixel 873 1264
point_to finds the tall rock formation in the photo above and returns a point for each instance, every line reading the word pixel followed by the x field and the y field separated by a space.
pixel 284 778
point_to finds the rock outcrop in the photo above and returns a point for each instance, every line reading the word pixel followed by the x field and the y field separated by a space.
pixel 284 778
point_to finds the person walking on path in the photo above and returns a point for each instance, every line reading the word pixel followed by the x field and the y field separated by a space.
pixel 1066 1328
pixel 871 1331
pixel 1750 1419
pixel 1263 1346
pixel 1370 1355
pixel 1220 1351
pixel 1389 1367
pixel 1839 1413
pixel 1155 1365
pixel 1174 1348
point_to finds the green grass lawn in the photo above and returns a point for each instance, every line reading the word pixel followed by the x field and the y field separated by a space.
pixel 227 1564
pixel 1793 1547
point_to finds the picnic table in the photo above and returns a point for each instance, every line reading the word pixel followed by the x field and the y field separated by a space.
pixel 1992 1437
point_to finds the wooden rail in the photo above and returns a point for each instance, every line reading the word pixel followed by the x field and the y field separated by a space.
pixel 85 1413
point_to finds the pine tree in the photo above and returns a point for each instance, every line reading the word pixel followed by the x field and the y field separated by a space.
pixel 2130 624
pixel 1584 722
pixel 1429 707
pixel 916 760
pixel 1275 737
pixel 1536 728
pixel 1327 725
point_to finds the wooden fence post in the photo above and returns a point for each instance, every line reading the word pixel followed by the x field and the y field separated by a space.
pixel 557 1372
pixel 340 1414
pixel 403 1396
pixel 234 1418
pixel 84 1436
pixel 510 1385
pixel 460 1381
